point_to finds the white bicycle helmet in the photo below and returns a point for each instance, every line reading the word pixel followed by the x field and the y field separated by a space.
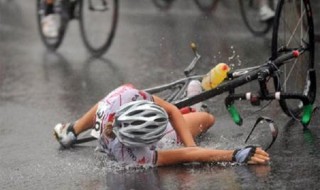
pixel 140 123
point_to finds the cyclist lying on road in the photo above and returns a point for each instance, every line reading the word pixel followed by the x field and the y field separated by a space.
pixel 133 126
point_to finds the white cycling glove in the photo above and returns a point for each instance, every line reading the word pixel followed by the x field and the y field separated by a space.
pixel 243 155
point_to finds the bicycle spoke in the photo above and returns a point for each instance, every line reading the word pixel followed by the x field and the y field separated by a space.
pixel 293 31
pixel 288 74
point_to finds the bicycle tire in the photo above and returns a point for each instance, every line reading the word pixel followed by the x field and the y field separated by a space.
pixel 91 36
pixel 51 43
pixel 293 30
pixel 163 4
pixel 249 10
pixel 206 6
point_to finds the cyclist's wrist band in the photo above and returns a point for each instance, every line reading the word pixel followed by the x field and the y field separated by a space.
pixel 234 155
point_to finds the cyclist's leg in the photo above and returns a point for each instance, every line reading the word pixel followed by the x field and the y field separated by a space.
pixel 50 22
pixel 49 8
pixel 86 122
pixel 66 134
pixel 199 122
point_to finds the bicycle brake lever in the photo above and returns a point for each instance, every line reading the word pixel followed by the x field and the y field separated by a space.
pixel 193 63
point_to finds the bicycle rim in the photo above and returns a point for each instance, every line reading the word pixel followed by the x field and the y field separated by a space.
pixel 293 29
pixel 51 43
pixel 163 4
pixel 206 5
pixel 250 14
pixel 98 25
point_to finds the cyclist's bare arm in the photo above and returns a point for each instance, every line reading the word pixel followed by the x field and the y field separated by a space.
pixel 177 121
pixel 198 154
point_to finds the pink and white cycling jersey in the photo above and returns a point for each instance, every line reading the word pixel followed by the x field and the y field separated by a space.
pixel 107 108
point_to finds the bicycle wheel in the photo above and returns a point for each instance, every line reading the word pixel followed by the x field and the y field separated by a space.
pixel 49 42
pixel 293 29
pixel 98 23
pixel 206 5
pixel 250 14
pixel 163 4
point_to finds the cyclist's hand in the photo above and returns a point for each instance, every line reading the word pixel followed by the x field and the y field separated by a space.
pixel 250 155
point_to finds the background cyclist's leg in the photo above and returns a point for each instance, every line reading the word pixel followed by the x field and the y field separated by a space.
pixel 199 122
pixel 49 8
pixel 266 13
pixel 50 22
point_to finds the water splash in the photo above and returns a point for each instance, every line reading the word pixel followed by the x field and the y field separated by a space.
pixel 230 57
pixel 239 60
pixel 162 40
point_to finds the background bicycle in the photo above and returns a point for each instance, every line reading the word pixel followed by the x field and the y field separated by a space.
pixel 258 15
pixel 98 22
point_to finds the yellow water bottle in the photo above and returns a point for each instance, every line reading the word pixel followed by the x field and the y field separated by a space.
pixel 215 76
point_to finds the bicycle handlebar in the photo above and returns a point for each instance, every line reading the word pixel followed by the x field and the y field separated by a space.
pixel 271 66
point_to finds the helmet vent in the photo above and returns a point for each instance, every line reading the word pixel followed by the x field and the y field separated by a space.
pixel 138 133
pixel 152 126
pixel 150 115
pixel 137 122
pixel 161 119
pixel 135 112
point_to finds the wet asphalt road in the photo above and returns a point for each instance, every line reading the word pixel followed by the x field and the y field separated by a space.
pixel 39 89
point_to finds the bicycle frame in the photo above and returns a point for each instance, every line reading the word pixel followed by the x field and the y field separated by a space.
pixel 178 93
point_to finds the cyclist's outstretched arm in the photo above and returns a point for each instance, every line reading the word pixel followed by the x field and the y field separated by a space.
pixel 250 155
